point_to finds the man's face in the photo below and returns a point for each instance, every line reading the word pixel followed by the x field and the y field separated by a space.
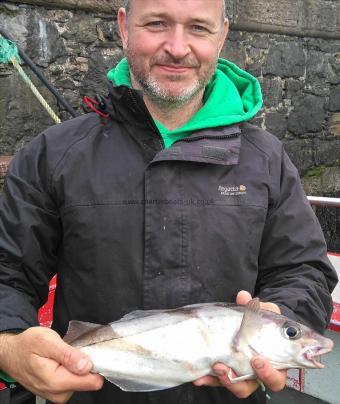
pixel 172 46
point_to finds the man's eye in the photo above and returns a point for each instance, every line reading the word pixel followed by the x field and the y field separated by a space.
pixel 199 28
pixel 155 24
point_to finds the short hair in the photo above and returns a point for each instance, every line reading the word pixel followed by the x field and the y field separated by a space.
pixel 127 5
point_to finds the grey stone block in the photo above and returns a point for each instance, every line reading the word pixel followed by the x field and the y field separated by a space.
pixel 318 67
pixel 293 86
pixel 301 152
pixel 334 99
pixel 285 59
pixel 334 124
pixel 272 92
pixel 319 15
pixel 276 123
pixel 44 44
pixel 17 26
pixel 326 152
pixel 334 62
pixel 235 52
pixel 308 115
pixel 284 12
pixel 81 29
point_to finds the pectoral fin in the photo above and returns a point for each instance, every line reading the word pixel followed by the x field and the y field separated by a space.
pixel 251 324
pixel 245 377
pixel 239 378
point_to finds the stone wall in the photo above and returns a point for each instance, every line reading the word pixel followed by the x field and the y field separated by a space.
pixel 292 46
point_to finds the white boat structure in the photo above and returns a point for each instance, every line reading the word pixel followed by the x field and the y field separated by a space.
pixel 324 384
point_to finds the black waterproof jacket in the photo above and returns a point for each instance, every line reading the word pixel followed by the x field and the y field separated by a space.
pixel 127 225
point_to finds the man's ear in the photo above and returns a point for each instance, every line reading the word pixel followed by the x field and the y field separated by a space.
pixel 122 24
pixel 223 35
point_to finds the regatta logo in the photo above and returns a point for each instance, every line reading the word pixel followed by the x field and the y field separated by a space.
pixel 233 190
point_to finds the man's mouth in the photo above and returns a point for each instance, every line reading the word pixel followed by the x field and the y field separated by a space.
pixel 174 68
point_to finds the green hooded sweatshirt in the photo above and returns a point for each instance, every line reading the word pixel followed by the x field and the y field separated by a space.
pixel 232 96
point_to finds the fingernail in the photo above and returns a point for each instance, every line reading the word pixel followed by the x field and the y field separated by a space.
pixel 258 364
pixel 81 364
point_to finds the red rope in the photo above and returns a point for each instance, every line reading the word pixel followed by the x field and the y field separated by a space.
pixel 90 102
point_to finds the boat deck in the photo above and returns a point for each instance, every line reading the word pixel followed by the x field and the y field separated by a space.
pixel 290 396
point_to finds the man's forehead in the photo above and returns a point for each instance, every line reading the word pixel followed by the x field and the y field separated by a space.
pixel 162 5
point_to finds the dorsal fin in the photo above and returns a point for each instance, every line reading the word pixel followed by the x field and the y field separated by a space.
pixel 78 328
pixel 139 314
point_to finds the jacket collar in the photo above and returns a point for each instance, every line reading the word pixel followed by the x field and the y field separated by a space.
pixel 219 146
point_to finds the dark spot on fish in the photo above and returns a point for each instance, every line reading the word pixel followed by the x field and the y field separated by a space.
pixel 185 311
pixel 220 304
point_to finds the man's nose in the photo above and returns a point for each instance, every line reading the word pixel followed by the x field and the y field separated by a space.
pixel 177 43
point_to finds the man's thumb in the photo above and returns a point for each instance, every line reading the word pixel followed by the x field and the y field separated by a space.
pixel 71 358
pixel 74 360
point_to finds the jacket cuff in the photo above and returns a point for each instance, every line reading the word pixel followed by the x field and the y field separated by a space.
pixel 15 325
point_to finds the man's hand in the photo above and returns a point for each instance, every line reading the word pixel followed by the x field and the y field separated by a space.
pixel 274 379
pixel 45 365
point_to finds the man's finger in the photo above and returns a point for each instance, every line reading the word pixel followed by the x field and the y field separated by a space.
pixel 274 379
pixel 64 380
pixel 243 297
pixel 271 307
pixel 53 347
pixel 207 381
pixel 243 389
pixel 240 389
pixel 89 382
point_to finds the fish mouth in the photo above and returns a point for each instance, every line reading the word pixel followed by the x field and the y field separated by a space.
pixel 313 356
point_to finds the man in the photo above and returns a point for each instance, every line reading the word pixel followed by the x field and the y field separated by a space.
pixel 170 200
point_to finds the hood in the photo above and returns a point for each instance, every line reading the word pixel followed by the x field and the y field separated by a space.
pixel 232 96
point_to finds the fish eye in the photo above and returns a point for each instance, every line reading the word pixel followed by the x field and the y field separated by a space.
pixel 291 331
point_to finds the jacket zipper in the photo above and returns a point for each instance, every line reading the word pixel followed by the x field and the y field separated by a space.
pixel 151 124
pixel 149 120
pixel 193 139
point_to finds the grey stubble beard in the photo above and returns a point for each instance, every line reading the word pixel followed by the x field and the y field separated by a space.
pixel 160 96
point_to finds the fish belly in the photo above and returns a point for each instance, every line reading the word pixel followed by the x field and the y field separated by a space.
pixel 157 359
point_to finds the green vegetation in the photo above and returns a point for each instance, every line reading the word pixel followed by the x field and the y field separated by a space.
pixel 315 171
pixel 318 171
